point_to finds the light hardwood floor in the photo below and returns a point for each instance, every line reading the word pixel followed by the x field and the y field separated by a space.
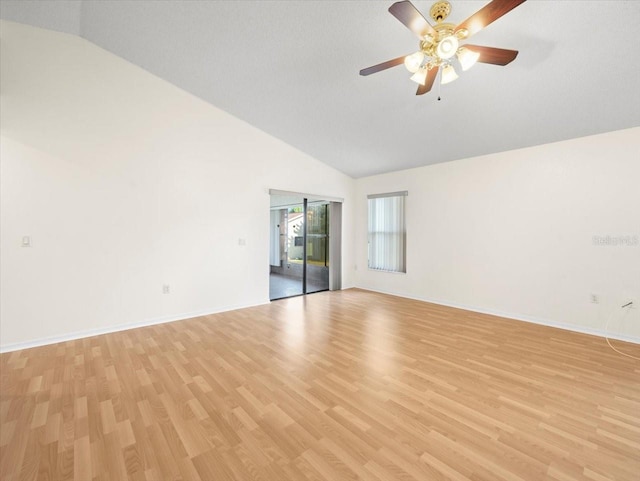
pixel 332 386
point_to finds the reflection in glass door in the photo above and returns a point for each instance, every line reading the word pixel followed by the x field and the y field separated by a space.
pixel 286 256
pixel 317 272
pixel 299 253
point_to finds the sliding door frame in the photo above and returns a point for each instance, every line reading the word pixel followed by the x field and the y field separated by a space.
pixel 334 209
pixel 305 228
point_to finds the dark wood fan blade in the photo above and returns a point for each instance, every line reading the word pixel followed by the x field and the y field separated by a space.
pixel 431 76
pixel 411 18
pixel 496 56
pixel 488 14
pixel 382 66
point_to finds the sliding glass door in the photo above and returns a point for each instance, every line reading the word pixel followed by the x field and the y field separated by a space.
pixel 317 272
pixel 299 251
pixel 287 248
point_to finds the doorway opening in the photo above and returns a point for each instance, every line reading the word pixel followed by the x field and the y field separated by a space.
pixel 304 253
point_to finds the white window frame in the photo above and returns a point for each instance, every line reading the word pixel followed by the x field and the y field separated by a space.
pixel 387 232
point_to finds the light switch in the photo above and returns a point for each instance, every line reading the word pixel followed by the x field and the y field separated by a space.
pixel 26 241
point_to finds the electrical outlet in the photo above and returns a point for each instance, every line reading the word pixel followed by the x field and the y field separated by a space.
pixel 166 289
pixel 595 298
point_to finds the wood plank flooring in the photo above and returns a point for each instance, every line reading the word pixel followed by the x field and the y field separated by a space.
pixel 334 386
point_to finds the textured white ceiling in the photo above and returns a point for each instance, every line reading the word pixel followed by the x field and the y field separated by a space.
pixel 290 68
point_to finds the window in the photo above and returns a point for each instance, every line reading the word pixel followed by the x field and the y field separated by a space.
pixel 387 232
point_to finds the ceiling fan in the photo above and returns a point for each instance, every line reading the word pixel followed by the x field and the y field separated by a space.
pixel 442 43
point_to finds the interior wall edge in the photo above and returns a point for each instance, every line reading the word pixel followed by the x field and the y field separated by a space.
pixel 516 317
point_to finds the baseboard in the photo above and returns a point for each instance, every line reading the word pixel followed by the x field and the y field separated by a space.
pixel 161 320
pixel 71 336
pixel 519 317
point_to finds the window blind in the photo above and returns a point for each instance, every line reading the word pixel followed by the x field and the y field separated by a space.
pixel 387 232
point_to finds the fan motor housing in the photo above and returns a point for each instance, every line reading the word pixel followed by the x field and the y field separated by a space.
pixel 440 11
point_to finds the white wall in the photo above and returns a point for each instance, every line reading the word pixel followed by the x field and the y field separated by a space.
pixel 126 183
pixel 512 233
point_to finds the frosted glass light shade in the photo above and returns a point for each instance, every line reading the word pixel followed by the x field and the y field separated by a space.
pixel 414 61
pixel 448 74
pixel 420 76
pixel 447 47
pixel 467 58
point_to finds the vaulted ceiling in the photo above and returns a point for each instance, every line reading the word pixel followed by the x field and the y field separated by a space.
pixel 290 68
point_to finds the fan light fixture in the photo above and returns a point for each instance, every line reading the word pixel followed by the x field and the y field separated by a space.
pixel 420 76
pixel 447 47
pixel 467 58
pixel 414 61
pixel 438 49
pixel 440 44
pixel 448 74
